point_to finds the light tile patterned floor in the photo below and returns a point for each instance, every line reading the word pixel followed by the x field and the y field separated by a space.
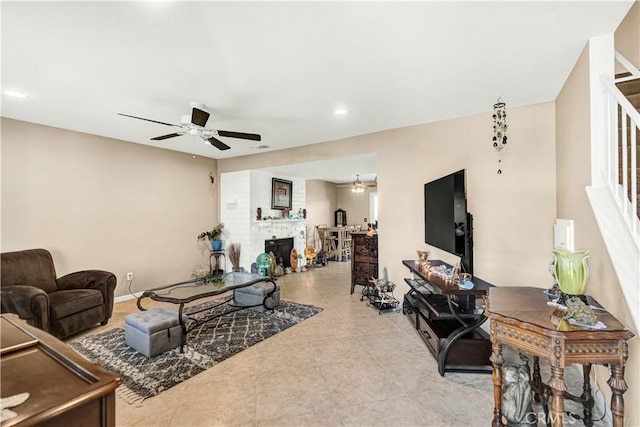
pixel 347 366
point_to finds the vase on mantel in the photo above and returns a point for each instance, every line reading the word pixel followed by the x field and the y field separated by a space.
pixel 571 270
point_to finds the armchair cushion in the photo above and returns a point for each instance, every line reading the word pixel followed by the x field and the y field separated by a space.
pixel 66 303
pixel 103 281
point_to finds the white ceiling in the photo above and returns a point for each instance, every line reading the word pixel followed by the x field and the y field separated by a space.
pixel 280 69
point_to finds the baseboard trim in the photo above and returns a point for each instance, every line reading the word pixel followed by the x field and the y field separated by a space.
pixel 123 298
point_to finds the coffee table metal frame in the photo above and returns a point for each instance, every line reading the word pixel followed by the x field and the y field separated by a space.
pixel 183 293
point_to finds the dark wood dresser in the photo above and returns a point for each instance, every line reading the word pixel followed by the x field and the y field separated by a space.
pixel 364 264
pixel 64 389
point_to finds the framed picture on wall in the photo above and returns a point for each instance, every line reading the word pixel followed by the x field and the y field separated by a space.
pixel 281 193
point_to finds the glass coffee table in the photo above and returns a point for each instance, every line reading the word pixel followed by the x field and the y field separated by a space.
pixel 196 289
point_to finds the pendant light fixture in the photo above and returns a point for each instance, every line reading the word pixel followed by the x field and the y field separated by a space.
pixel 358 186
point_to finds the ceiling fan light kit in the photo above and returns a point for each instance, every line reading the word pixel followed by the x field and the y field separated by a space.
pixel 195 125
pixel 358 186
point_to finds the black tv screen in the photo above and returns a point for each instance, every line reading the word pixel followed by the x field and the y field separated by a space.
pixel 446 222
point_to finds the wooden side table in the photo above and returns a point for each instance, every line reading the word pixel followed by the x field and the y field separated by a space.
pixel 521 319
pixel 64 388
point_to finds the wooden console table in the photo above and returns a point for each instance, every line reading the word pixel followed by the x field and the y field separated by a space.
pixel 521 319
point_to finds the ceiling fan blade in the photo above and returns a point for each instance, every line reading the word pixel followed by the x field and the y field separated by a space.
pixel 148 120
pixel 218 144
pixel 241 135
pixel 199 117
pixel 171 135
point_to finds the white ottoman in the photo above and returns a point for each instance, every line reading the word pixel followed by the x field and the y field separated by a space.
pixel 255 294
pixel 153 331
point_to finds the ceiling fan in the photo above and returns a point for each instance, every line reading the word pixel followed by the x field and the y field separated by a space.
pixel 195 125
pixel 358 186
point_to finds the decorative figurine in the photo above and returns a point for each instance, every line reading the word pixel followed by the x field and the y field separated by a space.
pixel 516 394
pixel 259 214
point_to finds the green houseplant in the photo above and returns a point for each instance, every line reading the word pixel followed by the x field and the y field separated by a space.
pixel 214 236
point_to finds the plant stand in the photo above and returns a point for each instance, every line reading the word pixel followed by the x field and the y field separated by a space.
pixel 216 269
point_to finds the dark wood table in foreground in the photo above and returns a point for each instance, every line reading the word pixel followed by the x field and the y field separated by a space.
pixel 64 388
pixel 522 319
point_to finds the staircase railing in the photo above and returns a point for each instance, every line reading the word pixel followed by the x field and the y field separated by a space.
pixel 613 193
pixel 623 122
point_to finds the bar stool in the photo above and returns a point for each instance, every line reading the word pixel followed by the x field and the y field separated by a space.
pixel 347 244
pixel 328 242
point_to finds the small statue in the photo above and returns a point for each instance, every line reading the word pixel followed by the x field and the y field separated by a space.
pixel 516 395
pixel 370 230
pixel 259 214
pixel 579 311
pixel 279 271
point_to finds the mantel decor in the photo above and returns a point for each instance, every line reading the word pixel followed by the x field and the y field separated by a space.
pixel 281 194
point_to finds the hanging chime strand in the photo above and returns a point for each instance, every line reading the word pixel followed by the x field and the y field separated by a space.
pixel 499 128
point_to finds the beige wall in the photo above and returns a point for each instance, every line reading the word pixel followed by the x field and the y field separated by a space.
pixel 101 203
pixel 321 201
pixel 355 205
pixel 627 37
pixel 573 175
pixel 514 212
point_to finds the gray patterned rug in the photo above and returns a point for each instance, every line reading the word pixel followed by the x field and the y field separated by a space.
pixel 206 346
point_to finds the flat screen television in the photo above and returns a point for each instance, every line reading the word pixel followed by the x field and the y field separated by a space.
pixel 447 224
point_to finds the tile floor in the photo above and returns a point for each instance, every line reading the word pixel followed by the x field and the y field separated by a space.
pixel 347 366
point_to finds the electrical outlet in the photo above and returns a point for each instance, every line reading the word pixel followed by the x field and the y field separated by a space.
pixel 130 276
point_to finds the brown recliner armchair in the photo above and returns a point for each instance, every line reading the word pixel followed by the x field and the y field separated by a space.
pixel 61 306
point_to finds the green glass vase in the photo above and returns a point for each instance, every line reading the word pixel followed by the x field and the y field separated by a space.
pixel 571 270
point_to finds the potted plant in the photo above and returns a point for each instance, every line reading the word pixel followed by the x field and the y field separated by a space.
pixel 213 236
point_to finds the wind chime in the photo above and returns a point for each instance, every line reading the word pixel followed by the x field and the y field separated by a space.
pixel 499 129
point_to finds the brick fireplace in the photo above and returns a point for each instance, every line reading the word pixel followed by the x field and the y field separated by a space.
pixel 241 193
pixel 281 248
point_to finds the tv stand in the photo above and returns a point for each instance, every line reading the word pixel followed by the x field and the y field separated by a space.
pixel 448 320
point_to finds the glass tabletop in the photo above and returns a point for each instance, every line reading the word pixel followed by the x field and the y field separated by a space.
pixel 194 289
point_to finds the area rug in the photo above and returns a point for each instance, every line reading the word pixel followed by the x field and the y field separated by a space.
pixel 206 346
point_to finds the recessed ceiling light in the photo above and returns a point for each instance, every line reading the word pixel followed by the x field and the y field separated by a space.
pixel 15 94
pixel 340 111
